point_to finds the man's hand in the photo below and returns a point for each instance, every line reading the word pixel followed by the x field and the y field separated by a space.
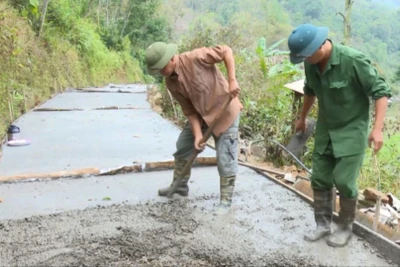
pixel 198 144
pixel 234 88
pixel 301 126
pixel 376 137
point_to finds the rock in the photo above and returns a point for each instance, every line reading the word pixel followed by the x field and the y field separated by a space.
pixel 372 195
pixel 290 178
pixel 394 202
pixel 258 151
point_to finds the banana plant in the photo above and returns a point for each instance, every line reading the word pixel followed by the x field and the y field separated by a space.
pixel 278 69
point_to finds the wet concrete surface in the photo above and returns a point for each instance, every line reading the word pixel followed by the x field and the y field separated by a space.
pixel 115 88
pixel 69 140
pixel 67 223
pixel 121 221
pixel 87 101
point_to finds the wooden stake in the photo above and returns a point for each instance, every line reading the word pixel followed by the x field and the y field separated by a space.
pixel 334 199
pixel 172 103
pixel 377 213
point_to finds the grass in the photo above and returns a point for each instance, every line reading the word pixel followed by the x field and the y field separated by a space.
pixel 382 172
pixel 33 69
pixel 394 110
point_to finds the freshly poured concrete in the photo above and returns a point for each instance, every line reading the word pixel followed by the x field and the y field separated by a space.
pixel 86 101
pixel 115 88
pixel 69 140
pixel 266 224
pixel 121 221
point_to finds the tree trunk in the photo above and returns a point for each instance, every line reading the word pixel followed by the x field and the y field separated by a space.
pixel 126 21
pixel 43 12
pixel 347 24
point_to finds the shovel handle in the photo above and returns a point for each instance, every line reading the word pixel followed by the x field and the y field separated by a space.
pixel 207 135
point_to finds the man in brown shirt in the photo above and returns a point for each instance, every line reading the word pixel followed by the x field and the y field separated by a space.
pixel 200 88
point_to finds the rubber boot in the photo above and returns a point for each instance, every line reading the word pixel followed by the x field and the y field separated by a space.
pixel 323 215
pixel 183 188
pixel 347 214
pixel 227 185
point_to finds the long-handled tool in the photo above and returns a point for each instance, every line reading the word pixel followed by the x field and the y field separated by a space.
pixel 291 154
pixel 297 143
pixel 207 135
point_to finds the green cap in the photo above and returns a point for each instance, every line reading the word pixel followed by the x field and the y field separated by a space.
pixel 158 55
pixel 305 40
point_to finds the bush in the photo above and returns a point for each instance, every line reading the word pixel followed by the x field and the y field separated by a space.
pixel 69 53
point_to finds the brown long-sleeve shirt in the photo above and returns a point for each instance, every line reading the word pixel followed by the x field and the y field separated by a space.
pixel 199 87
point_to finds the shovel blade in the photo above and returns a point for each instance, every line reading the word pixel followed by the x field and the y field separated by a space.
pixel 298 140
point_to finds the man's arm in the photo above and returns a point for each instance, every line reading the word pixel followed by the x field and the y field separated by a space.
pixel 380 111
pixel 217 54
pixel 229 61
pixel 190 113
pixel 307 104
pixel 309 100
pixel 194 121
pixel 375 86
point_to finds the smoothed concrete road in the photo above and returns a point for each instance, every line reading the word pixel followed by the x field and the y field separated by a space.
pixel 69 140
pixel 121 220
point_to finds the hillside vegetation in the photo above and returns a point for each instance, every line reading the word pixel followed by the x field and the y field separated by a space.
pixel 50 45
pixel 257 32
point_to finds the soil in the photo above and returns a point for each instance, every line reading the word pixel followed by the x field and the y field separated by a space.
pixel 148 234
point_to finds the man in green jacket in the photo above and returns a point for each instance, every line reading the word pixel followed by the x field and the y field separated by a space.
pixel 343 80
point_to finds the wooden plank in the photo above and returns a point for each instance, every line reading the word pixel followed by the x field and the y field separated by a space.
pixel 122 170
pixel 51 175
pixel 169 164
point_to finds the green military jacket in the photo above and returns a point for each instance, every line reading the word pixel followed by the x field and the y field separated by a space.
pixel 343 91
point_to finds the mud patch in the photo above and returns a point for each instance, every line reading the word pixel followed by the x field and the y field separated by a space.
pixel 148 234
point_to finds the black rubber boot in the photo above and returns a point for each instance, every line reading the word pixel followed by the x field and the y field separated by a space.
pixel 347 214
pixel 227 186
pixel 183 188
pixel 323 215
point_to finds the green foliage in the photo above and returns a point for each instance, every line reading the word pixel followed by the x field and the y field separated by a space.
pixel 374 29
pixel 262 65
pixel 382 172
pixel 70 52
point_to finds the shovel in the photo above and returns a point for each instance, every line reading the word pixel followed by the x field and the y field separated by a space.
pixel 207 135
pixel 297 143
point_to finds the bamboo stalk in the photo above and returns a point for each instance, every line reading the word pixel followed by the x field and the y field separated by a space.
pixel 172 102
pixel 24 96
pixel 10 109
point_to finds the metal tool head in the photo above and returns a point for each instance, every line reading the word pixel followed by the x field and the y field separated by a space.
pixel 298 140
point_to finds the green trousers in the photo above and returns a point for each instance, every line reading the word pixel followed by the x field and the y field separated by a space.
pixel 341 172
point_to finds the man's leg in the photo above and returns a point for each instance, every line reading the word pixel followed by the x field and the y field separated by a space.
pixel 322 184
pixel 184 148
pixel 345 177
pixel 227 161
